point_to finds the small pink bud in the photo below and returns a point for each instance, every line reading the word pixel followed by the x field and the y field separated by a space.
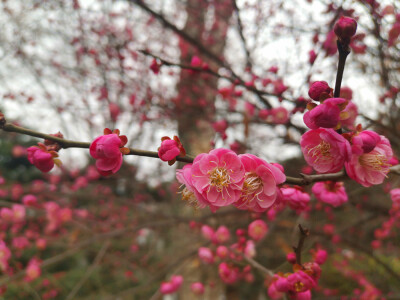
pixel 319 90
pixel 207 232
pixel 321 256
pixel 196 62
pixel 345 28
pixel 291 257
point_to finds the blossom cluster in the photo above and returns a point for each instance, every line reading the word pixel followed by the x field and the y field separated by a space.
pixel 221 177
pixel 365 154
pixel 299 283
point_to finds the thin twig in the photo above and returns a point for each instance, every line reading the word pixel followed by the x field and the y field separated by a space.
pixel 304 233
pixel 90 270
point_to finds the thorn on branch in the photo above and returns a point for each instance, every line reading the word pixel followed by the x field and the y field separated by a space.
pixel 304 233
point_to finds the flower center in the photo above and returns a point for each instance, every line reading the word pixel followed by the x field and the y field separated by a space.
pixel 374 161
pixel 219 178
pixel 298 286
pixel 252 186
pixel 321 151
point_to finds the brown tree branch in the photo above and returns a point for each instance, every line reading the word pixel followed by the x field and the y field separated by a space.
pixel 64 143
pixel 304 233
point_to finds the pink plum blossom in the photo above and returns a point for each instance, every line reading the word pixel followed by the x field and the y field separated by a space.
pixel 320 256
pixel 222 235
pixel 348 115
pixel 207 232
pixel 222 251
pixel 300 282
pixel 218 176
pixel 190 193
pixel 319 90
pixel 170 149
pixel 33 270
pixel 326 114
pixel 41 158
pixel 29 200
pixel 172 286
pixel 273 292
pixel 364 142
pixel 257 229
pixel 5 255
pixel 197 288
pixel 260 189
pixel 279 115
pixel 371 168
pixel 206 255
pixel 107 150
pixel 325 150
pixel 330 192
pixel 228 273
pixel 296 198
pixel 250 249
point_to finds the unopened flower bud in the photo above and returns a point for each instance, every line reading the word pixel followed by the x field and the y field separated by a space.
pixel 345 28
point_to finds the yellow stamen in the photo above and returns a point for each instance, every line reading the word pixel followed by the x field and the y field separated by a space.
pixel 322 151
pixel 219 178
pixel 252 186
pixel 374 161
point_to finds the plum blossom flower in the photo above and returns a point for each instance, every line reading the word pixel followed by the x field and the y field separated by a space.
pixel 29 200
pixel 326 114
pixel 170 149
pixel 33 270
pixel 273 292
pixel 41 158
pixel 257 229
pixel 260 189
pixel 330 192
pixel 107 150
pixel 197 288
pixel 218 176
pixel 371 168
pixel 190 193
pixel 172 286
pixel 325 150
pixel 228 273
pixel 222 235
pixel 206 255
pixel 348 115
pixel 296 198
pixel 364 142
pixel 300 282
pixel 279 115
pixel 320 256
pixel 5 255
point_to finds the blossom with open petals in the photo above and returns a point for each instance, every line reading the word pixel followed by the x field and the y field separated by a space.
pixel 325 150
pixel 218 176
pixel 260 189
pixel 326 114
pixel 330 192
pixel 372 167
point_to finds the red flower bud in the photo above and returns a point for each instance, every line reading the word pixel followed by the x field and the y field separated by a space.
pixel 345 28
